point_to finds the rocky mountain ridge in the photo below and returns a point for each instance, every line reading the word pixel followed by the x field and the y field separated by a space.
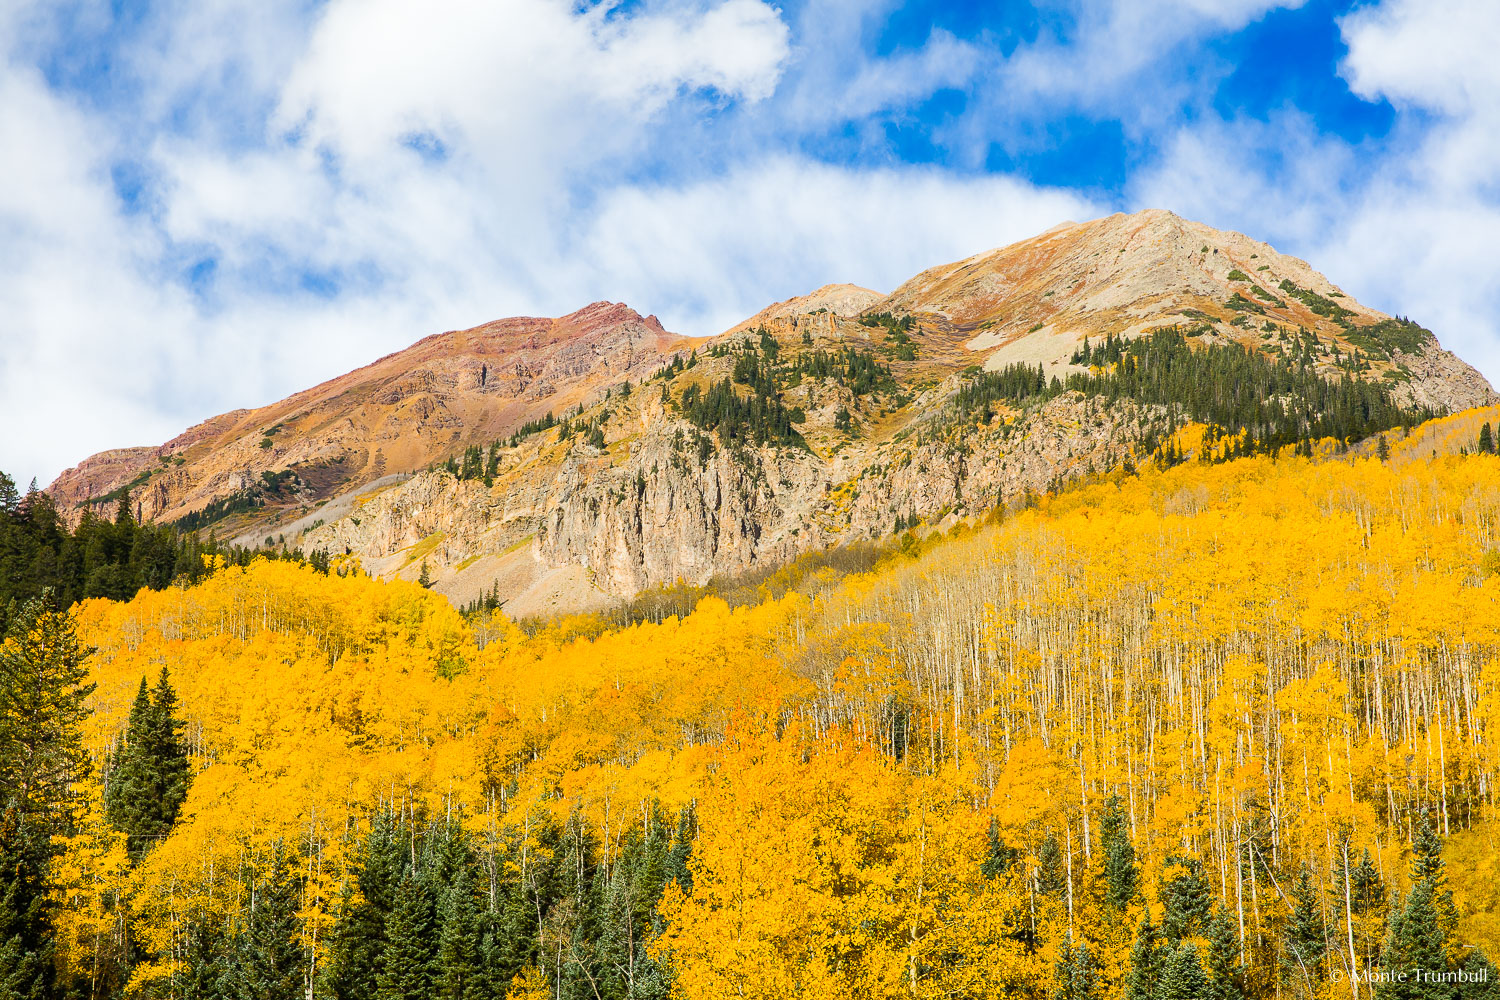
pixel 396 415
pixel 617 456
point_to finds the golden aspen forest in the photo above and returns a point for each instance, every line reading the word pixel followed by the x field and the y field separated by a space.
pixel 1221 730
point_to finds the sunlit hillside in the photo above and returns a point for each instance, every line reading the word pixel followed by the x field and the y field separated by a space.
pixel 1171 734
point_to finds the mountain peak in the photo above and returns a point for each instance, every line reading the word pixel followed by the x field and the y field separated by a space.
pixel 837 299
pixel 395 415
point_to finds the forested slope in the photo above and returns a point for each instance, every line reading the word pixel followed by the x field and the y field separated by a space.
pixel 1219 729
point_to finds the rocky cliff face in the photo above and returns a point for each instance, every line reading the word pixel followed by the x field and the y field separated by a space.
pixel 1441 380
pixel 638 487
pixel 651 514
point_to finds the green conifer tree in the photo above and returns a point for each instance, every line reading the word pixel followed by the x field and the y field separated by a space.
pixel 1182 977
pixel 203 961
pixel 1186 900
pixel 458 971
pixel 1427 866
pixel 270 963
pixel 1148 959
pixel 1121 876
pixel 43 694
pixel 406 967
pixel 998 857
pixel 127 794
pixel 149 776
pixel 1226 971
pixel 26 935
pixel 1077 973
pixel 359 938
pixel 173 766
pixel 1305 940
pixel 1051 869
pixel 42 707
pixel 1417 939
pixel 682 849
pixel 1415 944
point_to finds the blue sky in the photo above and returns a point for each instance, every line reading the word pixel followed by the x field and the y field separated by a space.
pixel 207 205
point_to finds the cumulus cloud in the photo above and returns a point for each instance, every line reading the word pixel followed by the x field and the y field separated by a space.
pixel 1108 43
pixel 1436 54
pixel 1420 234
pixel 520 81
pixel 786 225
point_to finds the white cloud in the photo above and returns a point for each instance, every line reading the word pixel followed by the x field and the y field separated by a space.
pixel 1112 41
pixel 1274 179
pixel 523 80
pixel 784 226
pixel 1436 54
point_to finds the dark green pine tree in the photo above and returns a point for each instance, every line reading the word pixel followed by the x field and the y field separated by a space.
pixel 128 803
pixel 1482 979
pixel 1148 959
pixel 204 962
pixel 1121 877
pixel 646 979
pixel 630 919
pixel 687 832
pixel 407 965
pixel 1051 869
pixel 508 942
pixel 1226 971
pixel 1187 901
pixel 149 776
pixel 1305 939
pixel 173 767
pixel 1182 977
pixel 458 952
pixel 998 857
pixel 1427 866
pixel 586 961
pixel 1486 440
pixel 26 936
pixel 42 707
pixel 359 937
pixel 1077 973
pixel 1417 939
pixel 1415 944
pixel 269 963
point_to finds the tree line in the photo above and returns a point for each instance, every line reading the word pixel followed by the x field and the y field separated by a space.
pixel 1256 403
pixel 101 558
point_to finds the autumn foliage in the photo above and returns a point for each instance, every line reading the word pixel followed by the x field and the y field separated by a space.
pixel 975 771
